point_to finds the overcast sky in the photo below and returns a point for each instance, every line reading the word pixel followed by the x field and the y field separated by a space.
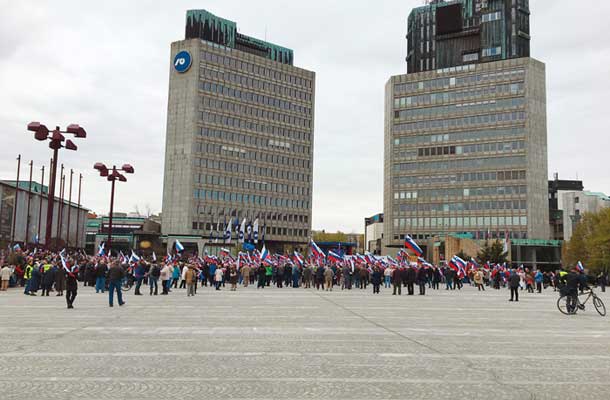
pixel 105 66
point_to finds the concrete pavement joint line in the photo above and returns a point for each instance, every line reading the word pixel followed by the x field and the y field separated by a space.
pixel 297 354
pixel 296 379
pixel 493 375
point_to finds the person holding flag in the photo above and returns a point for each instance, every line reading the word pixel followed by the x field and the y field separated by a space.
pixel 71 282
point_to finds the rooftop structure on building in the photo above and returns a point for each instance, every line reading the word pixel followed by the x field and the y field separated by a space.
pixel 448 34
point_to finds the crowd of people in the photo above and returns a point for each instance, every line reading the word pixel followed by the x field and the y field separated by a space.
pixel 42 272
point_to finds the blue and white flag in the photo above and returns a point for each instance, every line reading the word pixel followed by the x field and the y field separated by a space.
pixel 134 257
pixel 101 251
pixel 179 246
pixel 580 267
pixel 242 231
pixel 227 235
pixel 154 257
pixel 255 231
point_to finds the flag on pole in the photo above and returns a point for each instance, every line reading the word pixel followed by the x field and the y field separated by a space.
pixel 265 258
pixel 101 251
pixel 242 230
pixel 179 247
pixel 580 267
pixel 134 257
pixel 316 250
pixel 255 231
pixel 227 236
pixel 154 257
pixel 411 245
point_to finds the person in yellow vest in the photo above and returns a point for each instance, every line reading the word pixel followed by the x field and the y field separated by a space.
pixel 27 275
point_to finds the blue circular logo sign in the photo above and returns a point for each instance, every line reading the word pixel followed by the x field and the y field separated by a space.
pixel 182 61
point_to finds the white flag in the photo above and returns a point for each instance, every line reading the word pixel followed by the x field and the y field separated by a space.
pixel 242 230
pixel 255 229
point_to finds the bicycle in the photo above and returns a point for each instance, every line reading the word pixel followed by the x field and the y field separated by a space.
pixel 127 283
pixel 569 305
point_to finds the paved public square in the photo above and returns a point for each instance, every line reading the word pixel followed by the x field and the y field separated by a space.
pixel 303 344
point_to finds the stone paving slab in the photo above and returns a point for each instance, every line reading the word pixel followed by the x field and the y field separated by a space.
pixel 302 344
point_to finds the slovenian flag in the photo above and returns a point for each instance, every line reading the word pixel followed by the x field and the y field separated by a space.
pixel 334 257
pixel 265 258
pixel 580 267
pixel 179 247
pixel 298 258
pixel 411 245
pixel 317 252
pixel 134 257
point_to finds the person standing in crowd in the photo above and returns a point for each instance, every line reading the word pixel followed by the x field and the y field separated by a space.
pixel 347 277
pixel 411 277
pixel 48 278
pixel 296 275
pixel 320 277
pixel 397 281
pixel 376 280
pixel 307 272
pixel 5 275
pixel 218 276
pixel 364 277
pixel 478 280
pixel 190 277
pixel 328 278
pixel 261 273
pixel 245 274
pixel 437 278
pixel 233 278
pixel 27 276
pixel 71 285
pixel 449 276
pixel 115 279
pixel 35 280
pixel 538 278
pixel 153 278
pixel 514 282
pixel 165 275
pixel 176 273
pixel 139 273
pixel 387 277
pixel 422 279
pixel 100 276
pixel 60 281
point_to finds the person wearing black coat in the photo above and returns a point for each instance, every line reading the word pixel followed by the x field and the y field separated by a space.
pixel 48 279
pixel 422 279
pixel 320 278
pixel 397 281
pixel 411 277
pixel 513 283
pixel 376 278
pixel 71 286
pixel 262 276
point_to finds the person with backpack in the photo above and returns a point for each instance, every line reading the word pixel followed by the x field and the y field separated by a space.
pixel 153 278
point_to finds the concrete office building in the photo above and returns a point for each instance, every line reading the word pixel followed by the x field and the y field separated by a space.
pixel 556 215
pixel 240 130
pixel 577 203
pixel 466 150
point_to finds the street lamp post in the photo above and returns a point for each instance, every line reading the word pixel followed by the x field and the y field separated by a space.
pixel 56 138
pixel 112 175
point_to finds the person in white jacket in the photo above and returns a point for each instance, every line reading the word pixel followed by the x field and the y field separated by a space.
pixel 218 277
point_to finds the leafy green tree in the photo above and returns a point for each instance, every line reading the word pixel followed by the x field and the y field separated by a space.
pixel 590 242
pixel 492 252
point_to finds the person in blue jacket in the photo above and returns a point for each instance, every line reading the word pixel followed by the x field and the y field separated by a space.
pixel 538 278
